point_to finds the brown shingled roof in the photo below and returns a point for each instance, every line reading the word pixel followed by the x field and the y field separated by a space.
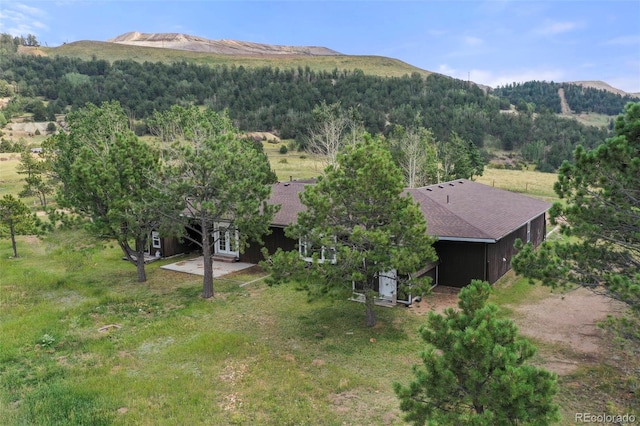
pixel 287 195
pixel 460 209
pixel 469 210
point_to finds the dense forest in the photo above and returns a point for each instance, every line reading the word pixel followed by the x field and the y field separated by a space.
pixel 282 100
pixel 541 96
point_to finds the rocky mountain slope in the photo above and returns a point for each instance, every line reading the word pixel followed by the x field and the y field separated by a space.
pixel 228 47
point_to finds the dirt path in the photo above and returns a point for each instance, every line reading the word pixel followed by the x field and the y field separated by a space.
pixel 564 106
pixel 564 326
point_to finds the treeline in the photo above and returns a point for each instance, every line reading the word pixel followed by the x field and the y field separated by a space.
pixel 542 96
pixel 9 43
pixel 282 100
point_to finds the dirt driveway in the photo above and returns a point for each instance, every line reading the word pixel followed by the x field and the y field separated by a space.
pixel 563 326
pixel 569 322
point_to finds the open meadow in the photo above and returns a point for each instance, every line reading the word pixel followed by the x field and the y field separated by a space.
pixel 82 343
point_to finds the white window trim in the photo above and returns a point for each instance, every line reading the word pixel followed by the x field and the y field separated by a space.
pixel 155 239
pixel 235 247
pixel 326 254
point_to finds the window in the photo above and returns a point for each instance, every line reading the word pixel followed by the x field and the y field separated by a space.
pixel 307 251
pixel 528 232
pixel 226 240
pixel 155 240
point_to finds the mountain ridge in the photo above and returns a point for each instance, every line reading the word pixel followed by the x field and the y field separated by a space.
pixel 181 41
pixel 255 54
pixel 602 85
pixel 193 43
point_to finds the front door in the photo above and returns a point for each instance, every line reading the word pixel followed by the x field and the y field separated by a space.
pixel 388 285
pixel 226 241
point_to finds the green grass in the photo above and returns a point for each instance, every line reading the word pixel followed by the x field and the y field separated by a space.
pixel 512 290
pixel 258 354
pixel 10 181
pixel 592 119
pixel 373 65
pixel 251 355
pixel 293 164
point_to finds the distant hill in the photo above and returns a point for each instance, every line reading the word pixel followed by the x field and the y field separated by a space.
pixel 601 85
pixel 225 47
pixel 370 65
pixel 176 47
pixel 566 98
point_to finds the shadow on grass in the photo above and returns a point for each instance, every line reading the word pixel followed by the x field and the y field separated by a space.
pixel 337 320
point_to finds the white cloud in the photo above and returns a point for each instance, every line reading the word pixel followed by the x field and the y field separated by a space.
pixel 528 75
pixel 501 78
pixel 33 11
pixel 552 27
pixel 630 40
pixel 473 41
pixel 447 70
pixel 437 33
pixel 19 19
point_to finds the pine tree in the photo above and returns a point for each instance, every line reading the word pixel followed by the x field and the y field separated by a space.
pixel 474 370
pixel 358 211
pixel 15 219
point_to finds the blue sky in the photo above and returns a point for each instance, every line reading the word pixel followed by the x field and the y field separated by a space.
pixel 493 42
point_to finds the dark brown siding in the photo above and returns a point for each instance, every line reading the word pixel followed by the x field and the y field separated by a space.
pixel 272 242
pixel 173 246
pixel 538 230
pixel 170 246
pixel 499 254
pixel 460 262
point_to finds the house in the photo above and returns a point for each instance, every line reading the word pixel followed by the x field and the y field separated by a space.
pixel 476 226
pixel 285 194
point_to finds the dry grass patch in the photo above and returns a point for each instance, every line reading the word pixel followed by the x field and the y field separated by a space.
pixel 527 182
pixel 371 65
pixel 293 164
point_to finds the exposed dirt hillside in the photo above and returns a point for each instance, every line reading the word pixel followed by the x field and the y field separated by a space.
pixel 603 86
pixel 228 47
pixel 563 102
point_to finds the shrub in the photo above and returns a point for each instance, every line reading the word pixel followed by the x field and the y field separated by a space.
pixel 284 149
pixel 47 340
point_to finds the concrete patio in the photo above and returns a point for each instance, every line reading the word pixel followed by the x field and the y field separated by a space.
pixel 196 266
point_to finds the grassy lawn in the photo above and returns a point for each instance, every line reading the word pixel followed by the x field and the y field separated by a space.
pixel 84 343
pixel 10 181
pixel 255 354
